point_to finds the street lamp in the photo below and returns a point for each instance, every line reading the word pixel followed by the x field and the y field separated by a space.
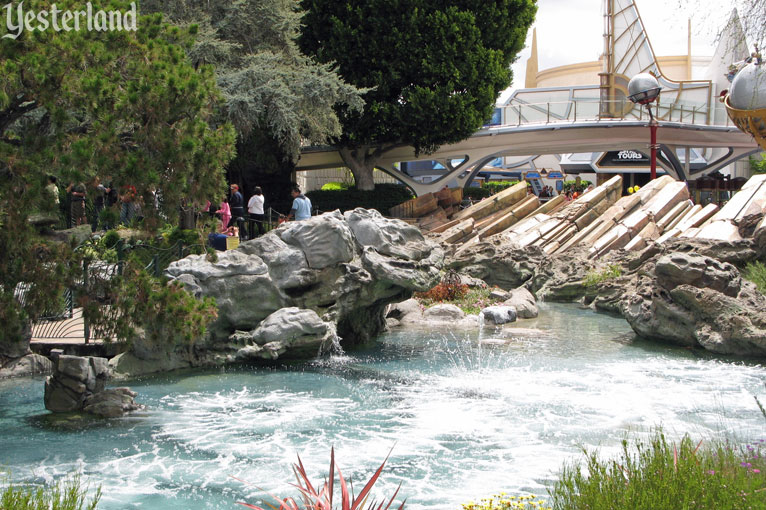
pixel 644 88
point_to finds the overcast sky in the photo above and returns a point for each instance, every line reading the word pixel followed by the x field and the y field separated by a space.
pixel 570 31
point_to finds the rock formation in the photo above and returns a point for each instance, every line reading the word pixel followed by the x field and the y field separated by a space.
pixel 78 384
pixel 300 288
pixel 670 268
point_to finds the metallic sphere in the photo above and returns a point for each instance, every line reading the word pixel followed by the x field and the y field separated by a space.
pixel 748 89
pixel 643 88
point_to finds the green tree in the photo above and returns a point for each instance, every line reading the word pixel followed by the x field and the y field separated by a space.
pixel 434 69
pixel 267 84
pixel 76 104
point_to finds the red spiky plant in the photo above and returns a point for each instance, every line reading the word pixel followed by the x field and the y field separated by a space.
pixel 320 498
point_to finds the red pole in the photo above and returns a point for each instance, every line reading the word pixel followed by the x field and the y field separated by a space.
pixel 653 147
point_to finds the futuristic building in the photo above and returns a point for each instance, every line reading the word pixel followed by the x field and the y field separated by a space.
pixel 578 119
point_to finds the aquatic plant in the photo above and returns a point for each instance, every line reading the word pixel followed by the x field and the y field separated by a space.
pixel 321 497
pixel 503 501
pixel 596 277
pixel 63 495
pixel 662 475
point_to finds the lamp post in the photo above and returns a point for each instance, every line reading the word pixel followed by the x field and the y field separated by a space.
pixel 643 89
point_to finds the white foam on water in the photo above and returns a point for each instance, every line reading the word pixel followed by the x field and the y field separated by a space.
pixel 465 419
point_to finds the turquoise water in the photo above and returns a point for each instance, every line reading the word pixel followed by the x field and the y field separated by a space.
pixel 467 415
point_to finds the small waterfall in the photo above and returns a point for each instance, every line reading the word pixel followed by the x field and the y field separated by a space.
pixel 331 347
pixel 481 324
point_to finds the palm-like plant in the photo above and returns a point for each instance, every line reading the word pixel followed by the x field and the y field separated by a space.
pixel 321 498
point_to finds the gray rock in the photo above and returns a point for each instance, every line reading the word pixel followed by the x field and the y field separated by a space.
pixel 523 302
pixel 287 329
pixel 444 312
pixel 499 295
pixel 325 240
pixel 111 403
pixel 699 271
pixel 499 314
pixel 75 367
pixel 388 236
pixel 77 384
pixel 30 364
pixel 400 310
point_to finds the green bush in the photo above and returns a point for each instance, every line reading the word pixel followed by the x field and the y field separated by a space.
pixel 572 185
pixel 665 476
pixel 334 186
pixel 497 186
pixel 758 164
pixel 756 273
pixel 382 198
pixel 476 193
pixel 596 277
pixel 66 495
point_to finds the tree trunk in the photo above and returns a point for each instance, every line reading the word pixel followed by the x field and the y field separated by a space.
pixel 361 163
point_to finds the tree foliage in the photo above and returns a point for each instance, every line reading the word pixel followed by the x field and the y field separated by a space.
pixel 434 69
pixel 267 83
pixel 126 105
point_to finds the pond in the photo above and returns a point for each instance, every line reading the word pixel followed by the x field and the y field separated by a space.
pixel 467 415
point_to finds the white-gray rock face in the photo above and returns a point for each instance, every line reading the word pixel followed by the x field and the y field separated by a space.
pixel 410 314
pixel 344 269
pixel 30 364
pixel 499 314
pixel 299 332
pixel 523 302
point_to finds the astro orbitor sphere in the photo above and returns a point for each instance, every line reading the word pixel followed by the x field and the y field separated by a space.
pixel 748 90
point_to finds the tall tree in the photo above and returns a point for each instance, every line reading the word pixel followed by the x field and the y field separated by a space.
pixel 434 69
pixel 266 82
pixel 78 104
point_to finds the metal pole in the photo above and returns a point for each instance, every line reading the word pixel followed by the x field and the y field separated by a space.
pixel 653 143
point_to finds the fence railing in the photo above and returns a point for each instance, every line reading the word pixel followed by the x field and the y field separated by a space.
pixel 577 110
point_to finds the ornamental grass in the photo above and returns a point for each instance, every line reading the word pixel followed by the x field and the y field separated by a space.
pixel 661 475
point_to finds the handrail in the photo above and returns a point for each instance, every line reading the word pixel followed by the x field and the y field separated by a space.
pixel 578 110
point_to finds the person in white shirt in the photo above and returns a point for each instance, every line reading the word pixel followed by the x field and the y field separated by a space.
pixel 255 208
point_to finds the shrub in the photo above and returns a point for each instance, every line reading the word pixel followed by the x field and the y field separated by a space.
pixel 382 198
pixel 334 186
pixel 595 277
pixel 756 273
pixel 572 185
pixel 443 292
pixel 476 193
pixel 665 476
pixel 66 495
pixel 166 312
pixel 496 186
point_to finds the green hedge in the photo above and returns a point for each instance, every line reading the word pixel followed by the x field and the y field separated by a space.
pixel 476 193
pixel 382 198
pixel 572 185
pixel 496 186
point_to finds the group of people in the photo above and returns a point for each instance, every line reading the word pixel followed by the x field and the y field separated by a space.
pixel 232 208
pixel 98 196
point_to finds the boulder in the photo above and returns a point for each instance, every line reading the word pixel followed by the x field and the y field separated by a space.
pixel 523 302
pixel 78 384
pixel 300 332
pixel 343 269
pixel 444 312
pixel 31 364
pixel 111 403
pixel 499 314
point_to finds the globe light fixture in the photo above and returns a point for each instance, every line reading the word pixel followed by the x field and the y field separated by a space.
pixel 644 89
pixel 746 100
